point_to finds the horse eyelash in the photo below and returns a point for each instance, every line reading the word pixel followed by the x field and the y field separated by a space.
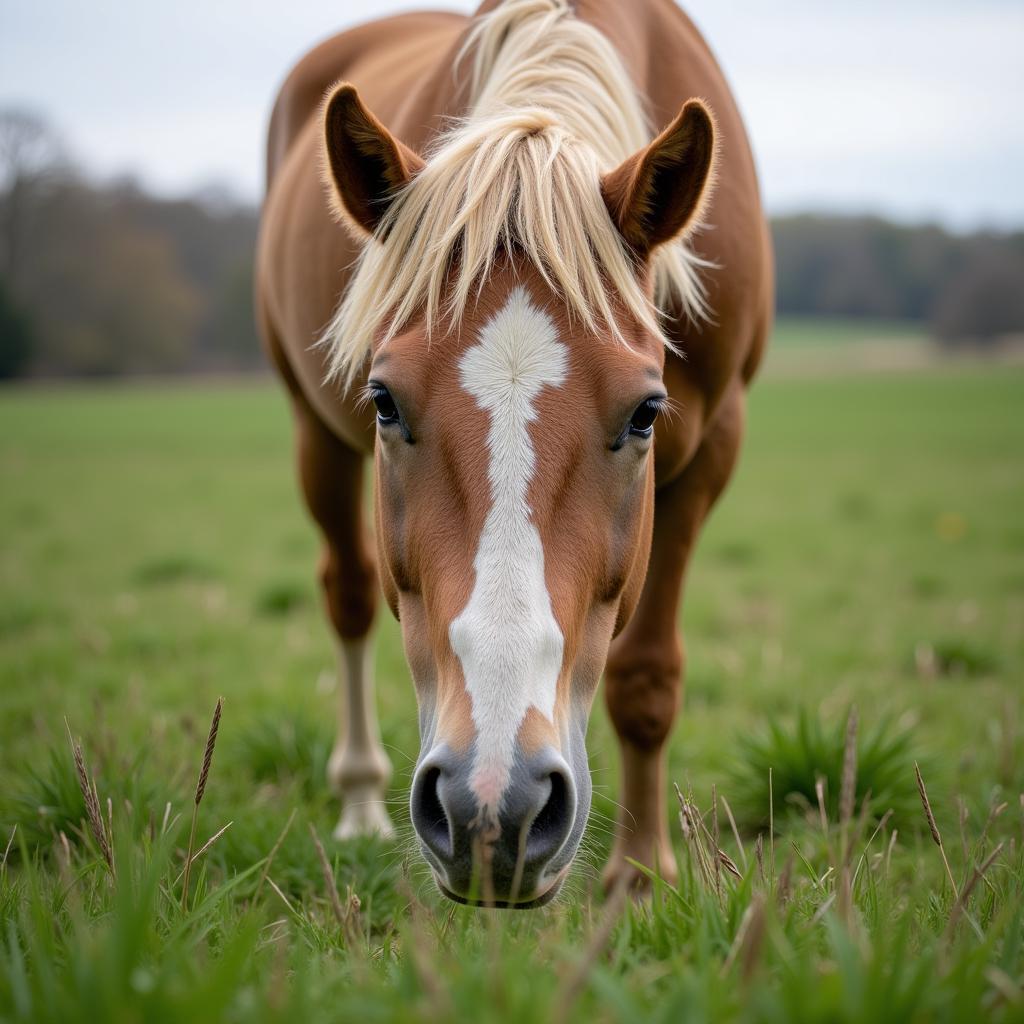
pixel 667 406
pixel 366 394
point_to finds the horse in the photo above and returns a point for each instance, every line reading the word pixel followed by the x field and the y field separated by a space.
pixel 519 260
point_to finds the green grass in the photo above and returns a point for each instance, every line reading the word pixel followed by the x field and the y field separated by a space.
pixel 870 553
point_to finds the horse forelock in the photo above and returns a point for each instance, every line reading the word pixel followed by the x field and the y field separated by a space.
pixel 551 108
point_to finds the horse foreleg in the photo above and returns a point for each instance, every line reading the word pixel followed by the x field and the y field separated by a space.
pixel 358 769
pixel 645 664
pixel 332 483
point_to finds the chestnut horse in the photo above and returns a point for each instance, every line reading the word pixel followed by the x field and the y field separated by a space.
pixel 540 316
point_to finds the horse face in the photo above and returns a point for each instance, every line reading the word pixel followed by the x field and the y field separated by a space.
pixel 513 458
pixel 514 513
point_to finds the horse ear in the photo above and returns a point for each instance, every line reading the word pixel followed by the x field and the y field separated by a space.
pixel 658 193
pixel 364 163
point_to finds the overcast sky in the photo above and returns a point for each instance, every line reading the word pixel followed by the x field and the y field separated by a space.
pixel 911 108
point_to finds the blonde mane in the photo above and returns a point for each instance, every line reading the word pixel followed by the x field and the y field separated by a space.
pixel 551 108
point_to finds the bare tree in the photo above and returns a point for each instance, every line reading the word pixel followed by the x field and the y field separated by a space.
pixel 29 151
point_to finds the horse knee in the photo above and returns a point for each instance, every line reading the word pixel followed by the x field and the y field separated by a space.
pixel 642 702
pixel 350 591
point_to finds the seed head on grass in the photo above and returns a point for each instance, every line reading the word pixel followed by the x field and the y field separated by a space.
pixel 92 803
pixel 694 830
pixel 204 775
pixel 704 843
pixel 933 827
pixel 211 742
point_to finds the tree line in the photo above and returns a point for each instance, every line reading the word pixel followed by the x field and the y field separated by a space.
pixel 967 289
pixel 105 279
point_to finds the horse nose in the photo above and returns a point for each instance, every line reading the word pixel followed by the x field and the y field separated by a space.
pixel 431 805
pixel 548 803
pixel 477 861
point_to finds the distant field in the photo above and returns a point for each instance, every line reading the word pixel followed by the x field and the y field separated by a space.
pixel 810 331
pixel 155 555
pixel 817 347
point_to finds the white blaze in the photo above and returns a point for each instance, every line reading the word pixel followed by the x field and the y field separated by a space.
pixel 507 638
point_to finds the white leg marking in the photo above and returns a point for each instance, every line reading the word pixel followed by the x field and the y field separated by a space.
pixel 358 768
pixel 507 638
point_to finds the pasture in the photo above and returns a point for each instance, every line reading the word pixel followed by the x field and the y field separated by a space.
pixel 869 554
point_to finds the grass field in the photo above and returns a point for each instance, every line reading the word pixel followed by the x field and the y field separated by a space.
pixel 869 553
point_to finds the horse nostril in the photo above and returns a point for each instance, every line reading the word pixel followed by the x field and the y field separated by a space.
pixel 550 827
pixel 429 815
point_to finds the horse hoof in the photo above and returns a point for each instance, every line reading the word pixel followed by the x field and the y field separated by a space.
pixel 369 818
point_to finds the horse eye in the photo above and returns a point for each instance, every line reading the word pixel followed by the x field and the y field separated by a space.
pixel 387 411
pixel 642 422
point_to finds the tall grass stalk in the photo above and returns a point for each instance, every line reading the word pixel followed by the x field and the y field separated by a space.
pixel 933 828
pixel 204 775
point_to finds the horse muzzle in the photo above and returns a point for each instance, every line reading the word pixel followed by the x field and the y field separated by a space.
pixel 513 856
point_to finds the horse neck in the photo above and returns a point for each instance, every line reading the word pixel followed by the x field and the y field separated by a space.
pixel 443 94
